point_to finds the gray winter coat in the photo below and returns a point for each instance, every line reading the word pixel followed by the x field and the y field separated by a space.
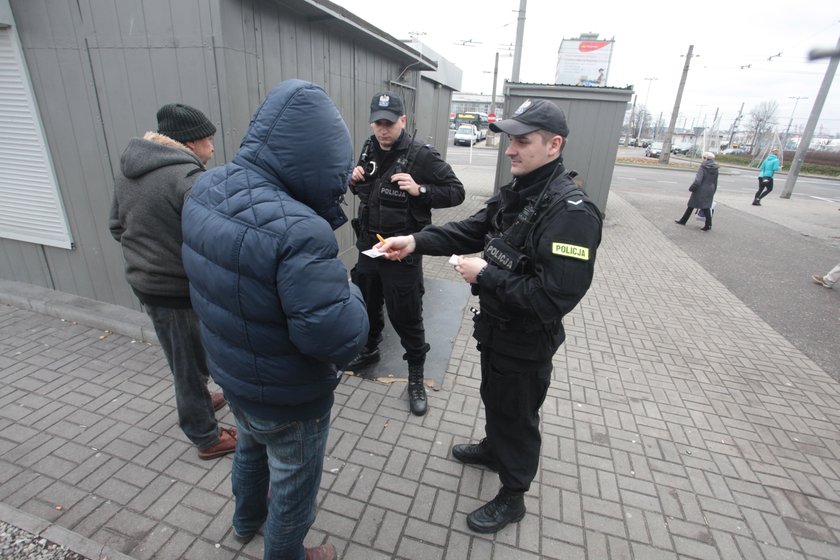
pixel 156 176
pixel 704 186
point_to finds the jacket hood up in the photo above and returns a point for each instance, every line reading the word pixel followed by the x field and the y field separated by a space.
pixel 281 146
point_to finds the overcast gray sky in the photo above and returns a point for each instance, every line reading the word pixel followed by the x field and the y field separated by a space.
pixel 651 39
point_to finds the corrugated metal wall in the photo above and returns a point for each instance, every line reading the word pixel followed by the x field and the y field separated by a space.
pixel 101 69
pixel 595 116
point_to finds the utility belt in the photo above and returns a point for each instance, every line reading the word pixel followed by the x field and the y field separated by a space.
pixel 489 319
pixel 516 342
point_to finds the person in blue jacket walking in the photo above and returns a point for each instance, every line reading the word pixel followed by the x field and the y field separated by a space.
pixel 765 175
pixel 279 316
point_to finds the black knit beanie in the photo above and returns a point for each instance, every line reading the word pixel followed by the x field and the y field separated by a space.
pixel 183 123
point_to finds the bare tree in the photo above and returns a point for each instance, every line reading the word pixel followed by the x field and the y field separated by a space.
pixel 762 121
pixel 643 122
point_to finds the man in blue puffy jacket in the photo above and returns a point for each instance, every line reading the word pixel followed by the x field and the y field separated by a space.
pixel 279 317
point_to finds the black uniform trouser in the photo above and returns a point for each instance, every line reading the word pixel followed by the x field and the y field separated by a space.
pixel 399 286
pixel 764 183
pixel 512 396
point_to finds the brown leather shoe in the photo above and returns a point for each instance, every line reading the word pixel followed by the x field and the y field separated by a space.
pixel 218 399
pixel 323 552
pixel 225 445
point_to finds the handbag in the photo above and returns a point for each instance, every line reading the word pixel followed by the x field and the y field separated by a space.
pixel 700 215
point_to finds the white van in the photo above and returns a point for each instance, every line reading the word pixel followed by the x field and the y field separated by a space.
pixel 466 134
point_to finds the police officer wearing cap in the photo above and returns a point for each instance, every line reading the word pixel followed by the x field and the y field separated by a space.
pixel 539 236
pixel 398 181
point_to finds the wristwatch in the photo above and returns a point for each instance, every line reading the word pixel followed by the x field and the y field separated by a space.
pixel 422 189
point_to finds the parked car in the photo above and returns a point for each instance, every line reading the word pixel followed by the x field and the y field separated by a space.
pixel 697 151
pixel 654 150
pixel 466 135
pixel 734 151
pixel 681 148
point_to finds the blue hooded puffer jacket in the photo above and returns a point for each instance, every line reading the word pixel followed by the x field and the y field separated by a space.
pixel 278 315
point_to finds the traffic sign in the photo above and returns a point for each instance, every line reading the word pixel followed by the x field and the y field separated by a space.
pixel 491 117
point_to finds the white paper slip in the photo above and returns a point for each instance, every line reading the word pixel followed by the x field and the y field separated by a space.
pixel 454 259
pixel 374 253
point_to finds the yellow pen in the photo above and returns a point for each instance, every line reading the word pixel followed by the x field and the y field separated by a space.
pixel 382 240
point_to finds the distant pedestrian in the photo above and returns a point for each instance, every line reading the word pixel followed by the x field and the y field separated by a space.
pixel 703 191
pixel 156 175
pixel 765 176
pixel 829 279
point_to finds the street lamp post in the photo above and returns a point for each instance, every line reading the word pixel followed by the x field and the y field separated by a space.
pixel 641 120
pixel 790 122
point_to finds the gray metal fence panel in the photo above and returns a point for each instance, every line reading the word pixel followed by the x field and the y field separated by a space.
pixel 102 68
pixel 595 116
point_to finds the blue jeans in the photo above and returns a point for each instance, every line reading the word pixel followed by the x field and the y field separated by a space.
pixel 290 457
pixel 180 337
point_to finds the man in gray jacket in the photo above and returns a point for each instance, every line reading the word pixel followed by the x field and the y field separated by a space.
pixel 157 173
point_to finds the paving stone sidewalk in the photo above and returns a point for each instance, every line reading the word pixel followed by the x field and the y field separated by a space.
pixel 678 425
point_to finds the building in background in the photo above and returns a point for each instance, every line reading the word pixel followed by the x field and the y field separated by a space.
pixel 476 102
pixel 81 78
pixel 584 61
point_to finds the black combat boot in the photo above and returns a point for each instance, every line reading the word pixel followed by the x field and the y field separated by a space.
pixel 416 390
pixel 368 356
pixel 475 454
pixel 506 507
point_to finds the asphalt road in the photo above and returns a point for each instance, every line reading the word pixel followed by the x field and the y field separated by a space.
pixel 764 255
pixel 766 264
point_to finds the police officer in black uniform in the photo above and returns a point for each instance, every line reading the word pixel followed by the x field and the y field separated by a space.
pixel 398 182
pixel 539 236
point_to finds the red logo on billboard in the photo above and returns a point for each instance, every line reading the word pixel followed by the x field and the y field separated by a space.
pixel 589 46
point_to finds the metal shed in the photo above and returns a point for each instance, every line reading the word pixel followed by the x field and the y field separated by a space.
pixel 595 116
pixel 89 75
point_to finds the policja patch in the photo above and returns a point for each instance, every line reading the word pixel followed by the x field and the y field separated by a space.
pixel 568 250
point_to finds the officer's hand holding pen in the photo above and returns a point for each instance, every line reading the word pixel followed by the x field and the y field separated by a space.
pixel 395 248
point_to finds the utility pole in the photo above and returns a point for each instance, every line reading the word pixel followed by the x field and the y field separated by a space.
pixel 808 133
pixel 641 124
pixel 520 32
pixel 714 135
pixel 630 124
pixel 495 75
pixel 734 128
pixel 790 122
pixel 491 136
pixel 665 156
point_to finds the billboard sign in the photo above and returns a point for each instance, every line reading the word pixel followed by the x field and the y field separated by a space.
pixel 583 63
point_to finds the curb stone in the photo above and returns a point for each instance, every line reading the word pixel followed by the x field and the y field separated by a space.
pixel 71 541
